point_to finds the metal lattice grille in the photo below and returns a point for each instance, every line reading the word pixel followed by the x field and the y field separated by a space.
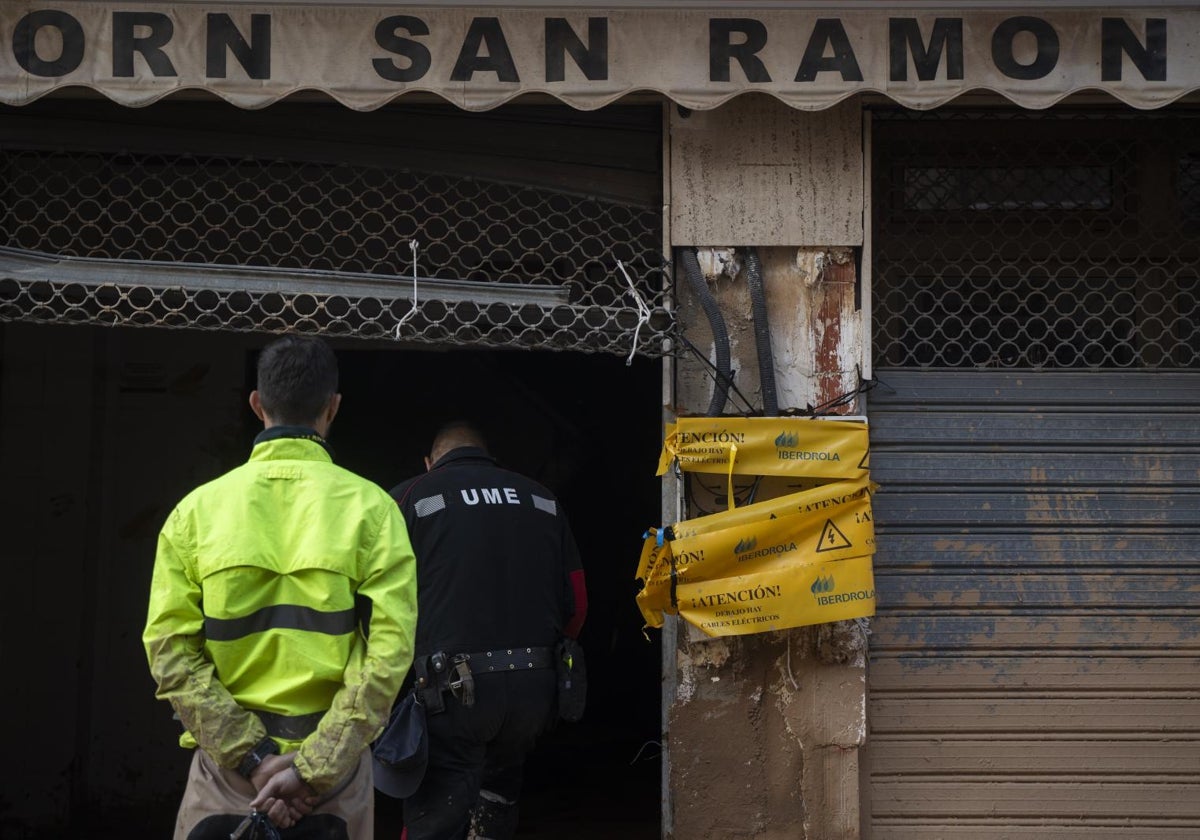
pixel 494 324
pixel 1036 241
pixel 306 216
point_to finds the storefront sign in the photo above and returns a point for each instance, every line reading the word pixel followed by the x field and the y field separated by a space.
pixel 365 56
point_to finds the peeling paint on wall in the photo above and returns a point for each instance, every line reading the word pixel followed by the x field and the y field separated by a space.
pixel 765 729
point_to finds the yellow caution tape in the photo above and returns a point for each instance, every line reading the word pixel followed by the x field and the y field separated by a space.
pixel 654 570
pixel 784 543
pixel 754 603
pixel 767 446
pixel 823 498
pixel 732 458
pixel 784 553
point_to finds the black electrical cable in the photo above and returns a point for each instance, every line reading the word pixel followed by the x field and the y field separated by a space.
pixel 762 333
pixel 712 371
pixel 863 386
pixel 691 268
pixel 744 491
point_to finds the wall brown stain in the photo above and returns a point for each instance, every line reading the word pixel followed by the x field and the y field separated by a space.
pixel 835 289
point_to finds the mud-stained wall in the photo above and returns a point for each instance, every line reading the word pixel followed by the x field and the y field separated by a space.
pixel 738 768
pixel 764 734
pixel 764 730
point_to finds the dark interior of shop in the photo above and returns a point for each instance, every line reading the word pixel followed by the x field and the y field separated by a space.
pixel 105 429
pixel 587 428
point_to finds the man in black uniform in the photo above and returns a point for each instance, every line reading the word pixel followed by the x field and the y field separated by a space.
pixel 499 582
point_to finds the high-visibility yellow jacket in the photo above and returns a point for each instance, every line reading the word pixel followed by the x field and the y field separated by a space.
pixel 284 591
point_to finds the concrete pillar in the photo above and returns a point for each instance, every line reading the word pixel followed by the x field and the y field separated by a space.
pixel 764 730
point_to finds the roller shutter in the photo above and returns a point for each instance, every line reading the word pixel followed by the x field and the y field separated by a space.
pixel 1035 661
pixel 416 224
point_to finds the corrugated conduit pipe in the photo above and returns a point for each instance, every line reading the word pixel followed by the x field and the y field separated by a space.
pixel 762 333
pixel 695 277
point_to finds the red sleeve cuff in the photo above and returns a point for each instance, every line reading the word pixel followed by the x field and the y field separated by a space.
pixel 579 590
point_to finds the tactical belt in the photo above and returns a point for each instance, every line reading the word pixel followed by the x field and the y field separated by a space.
pixel 509 659
pixel 441 673
pixel 290 727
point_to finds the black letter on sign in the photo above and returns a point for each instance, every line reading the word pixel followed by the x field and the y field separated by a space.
pixel 125 43
pixel 591 58
pixel 720 50
pixel 905 35
pixel 498 60
pixel 254 57
pixel 1151 60
pixel 72 43
pixel 829 31
pixel 417 53
pixel 1047 48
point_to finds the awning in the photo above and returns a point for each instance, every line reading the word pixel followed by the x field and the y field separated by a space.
pixel 478 57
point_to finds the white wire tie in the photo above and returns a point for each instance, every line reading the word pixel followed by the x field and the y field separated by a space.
pixel 642 309
pixel 412 244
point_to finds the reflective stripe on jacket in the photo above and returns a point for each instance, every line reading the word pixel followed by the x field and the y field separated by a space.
pixel 499 566
pixel 261 580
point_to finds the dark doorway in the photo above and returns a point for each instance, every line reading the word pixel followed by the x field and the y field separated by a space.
pixel 588 428
pixel 105 429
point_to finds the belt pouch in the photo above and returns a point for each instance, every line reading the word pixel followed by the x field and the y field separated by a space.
pixel 430 684
pixel 572 679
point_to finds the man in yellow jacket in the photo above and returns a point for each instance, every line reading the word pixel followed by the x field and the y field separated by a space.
pixel 281 620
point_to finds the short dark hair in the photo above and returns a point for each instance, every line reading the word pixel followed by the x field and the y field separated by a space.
pixel 297 375
pixel 452 435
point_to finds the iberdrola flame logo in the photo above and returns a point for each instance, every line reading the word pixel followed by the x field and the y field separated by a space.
pixel 744 545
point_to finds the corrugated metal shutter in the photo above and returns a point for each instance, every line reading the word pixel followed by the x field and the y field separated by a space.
pixel 1035 662
pixel 1036 288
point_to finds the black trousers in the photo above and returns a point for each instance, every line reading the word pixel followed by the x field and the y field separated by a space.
pixel 483 747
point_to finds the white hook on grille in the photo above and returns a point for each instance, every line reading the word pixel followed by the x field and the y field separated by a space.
pixel 412 244
pixel 642 309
